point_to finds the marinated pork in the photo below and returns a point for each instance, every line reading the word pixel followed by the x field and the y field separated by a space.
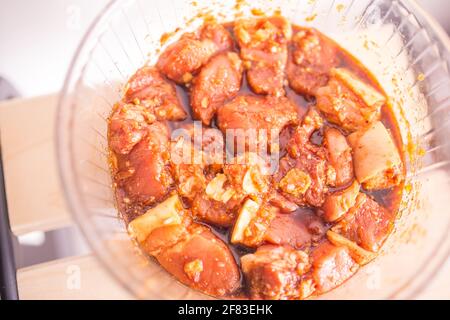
pixel 263 48
pixel 256 159
pixel 181 60
pixel 276 272
pixel 218 81
pixel 248 115
pixel 310 59
pixel 148 88
pixel 376 159
pixel 349 102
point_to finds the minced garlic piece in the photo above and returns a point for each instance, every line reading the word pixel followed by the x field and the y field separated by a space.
pixel 253 181
pixel 194 269
pixel 247 213
pixel 216 191
pixel 296 182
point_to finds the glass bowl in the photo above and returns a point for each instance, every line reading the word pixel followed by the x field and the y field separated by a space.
pixel 400 44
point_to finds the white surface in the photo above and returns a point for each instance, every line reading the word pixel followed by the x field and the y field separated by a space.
pixel 38 39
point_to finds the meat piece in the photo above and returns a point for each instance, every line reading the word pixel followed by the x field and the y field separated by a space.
pixel 203 262
pixel 189 251
pixel 218 204
pixel 311 167
pixel 218 213
pixel 263 48
pixel 190 179
pixel 252 223
pixel 210 195
pixel 376 159
pixel 219 80
pixel 349 102
pixel 298 229
pixel 144 173
pixel 277 200
pixel 277 272
pixel 219 209
pixel 358 254
pixel 181 60
pixel 194 144
pixel 165 237
pixel 128 126
pixel 162 226
pixel 337 204
pixel 331 266
pixel 196 157
pixel 262 117
pixel 316 166
pixel 300 139
pixel 339 156
pixel 218 34
pixel 148 88
pixel 367 223
pixel 248 174
pixel 311 57
pixel 213 146
pixel 187 167
pixel 304 173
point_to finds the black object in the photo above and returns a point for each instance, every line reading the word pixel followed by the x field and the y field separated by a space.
pixel 223 309
pixel 8 280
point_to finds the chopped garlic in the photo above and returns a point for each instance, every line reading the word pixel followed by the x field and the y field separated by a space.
pixel 193 269
pixel 216 191
pixel 247 213
pixel 253 181
pixel 296 182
